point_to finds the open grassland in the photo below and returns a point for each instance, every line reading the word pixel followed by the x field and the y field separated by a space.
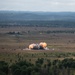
pixel 12 45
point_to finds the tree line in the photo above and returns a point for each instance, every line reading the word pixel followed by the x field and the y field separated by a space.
pixel 38 23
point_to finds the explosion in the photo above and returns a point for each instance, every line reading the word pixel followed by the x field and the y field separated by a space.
pixel 41 45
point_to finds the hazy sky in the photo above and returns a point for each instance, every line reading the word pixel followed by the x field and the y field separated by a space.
pixel 38 5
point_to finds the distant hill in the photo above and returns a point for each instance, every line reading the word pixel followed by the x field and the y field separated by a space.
pixel 26 16
pixel 42 19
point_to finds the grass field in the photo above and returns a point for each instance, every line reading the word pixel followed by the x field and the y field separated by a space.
pixel 61 45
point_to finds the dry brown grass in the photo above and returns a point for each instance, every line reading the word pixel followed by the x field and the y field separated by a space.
pixel 12 45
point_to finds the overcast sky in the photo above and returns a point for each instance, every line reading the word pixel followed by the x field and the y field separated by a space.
pixel 38 5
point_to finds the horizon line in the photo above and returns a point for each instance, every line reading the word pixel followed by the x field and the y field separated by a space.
pixel 34 11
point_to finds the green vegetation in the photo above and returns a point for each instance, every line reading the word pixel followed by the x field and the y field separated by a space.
pixel 3 68
pixel 55 67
